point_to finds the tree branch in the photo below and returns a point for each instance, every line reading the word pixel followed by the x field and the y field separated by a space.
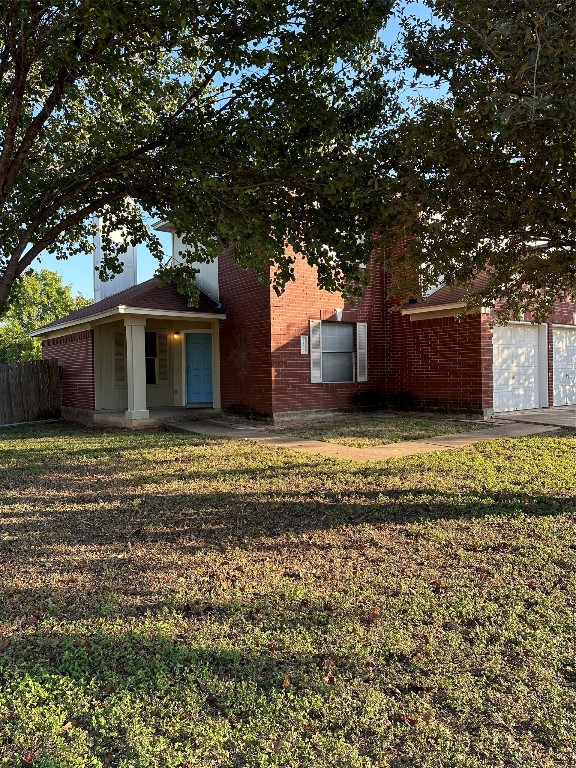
pixel 22 69
pixel 64 75
pixel 74 218
pixel 195 92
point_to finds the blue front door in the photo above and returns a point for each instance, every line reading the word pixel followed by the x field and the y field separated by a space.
pixel 199 367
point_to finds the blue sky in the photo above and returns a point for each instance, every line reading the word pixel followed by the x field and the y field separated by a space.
pixel 77 270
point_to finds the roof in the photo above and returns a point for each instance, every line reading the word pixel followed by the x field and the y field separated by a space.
pixel 449 296
pixel 149 295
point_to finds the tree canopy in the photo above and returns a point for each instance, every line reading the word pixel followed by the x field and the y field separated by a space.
pixel 256 124
pixel 37 298
pixel 486 162
pixel 242 122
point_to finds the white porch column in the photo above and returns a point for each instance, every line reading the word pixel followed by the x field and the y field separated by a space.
pixel 136 368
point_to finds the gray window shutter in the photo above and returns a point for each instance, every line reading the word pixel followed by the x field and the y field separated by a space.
pixel 362 351
pixel 119 357
pixel 163 357
pixel 315 351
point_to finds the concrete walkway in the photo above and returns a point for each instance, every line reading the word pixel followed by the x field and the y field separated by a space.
pixel 559 416
pixel 376 453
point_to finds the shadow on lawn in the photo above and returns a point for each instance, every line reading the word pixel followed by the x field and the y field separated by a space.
pixel 127 550
pixel 63 514
pixel 237 519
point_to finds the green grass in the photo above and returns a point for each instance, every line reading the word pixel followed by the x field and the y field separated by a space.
pixel 367 431
pixel 182 602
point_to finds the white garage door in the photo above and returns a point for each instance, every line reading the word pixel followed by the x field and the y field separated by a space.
pixel 516 367
pixel 564 366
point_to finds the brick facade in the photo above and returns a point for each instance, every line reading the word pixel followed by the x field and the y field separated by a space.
pixel 446 363
pixel 291 312
pixel 438 363
pixel 75 355
pixel 442 363
pixel 262 367
pixel 245 354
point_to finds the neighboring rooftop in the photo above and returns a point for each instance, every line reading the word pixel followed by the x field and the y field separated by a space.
pixel 149 295
pixel 450 295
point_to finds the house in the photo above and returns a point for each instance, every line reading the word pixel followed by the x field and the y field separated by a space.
pixel 244 348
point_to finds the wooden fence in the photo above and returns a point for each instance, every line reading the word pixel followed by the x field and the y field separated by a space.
pixel 29 391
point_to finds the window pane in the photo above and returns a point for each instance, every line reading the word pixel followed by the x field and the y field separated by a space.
pixel 150 370
pixel 150 344
pixel 337 366
pixel 337 337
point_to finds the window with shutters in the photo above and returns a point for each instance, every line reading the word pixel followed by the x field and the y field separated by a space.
pixel 163 374
pixel 156 353
pixel 119 358
pixel 150 352
pixel 334 358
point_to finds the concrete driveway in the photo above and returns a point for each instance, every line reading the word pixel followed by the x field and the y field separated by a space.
pixel 562 416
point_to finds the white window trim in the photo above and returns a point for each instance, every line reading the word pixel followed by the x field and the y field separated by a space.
pixel 316 352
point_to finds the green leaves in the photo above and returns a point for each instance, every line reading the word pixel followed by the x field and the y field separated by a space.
pixel 485 164
pixel 213 116
pixel 37 298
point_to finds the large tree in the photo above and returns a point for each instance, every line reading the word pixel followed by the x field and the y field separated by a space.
pixel 486 152
pixel 37 298
pixel 243 122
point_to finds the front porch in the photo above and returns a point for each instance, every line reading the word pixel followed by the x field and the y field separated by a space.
pixel 138 358
pixel 149 370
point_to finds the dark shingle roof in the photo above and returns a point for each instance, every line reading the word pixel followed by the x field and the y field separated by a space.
pixel 451 294
pixel 147 295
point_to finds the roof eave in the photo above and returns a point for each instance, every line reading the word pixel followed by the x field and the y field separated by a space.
pixel 431 308
pixel 441 310
pixel 123 309
pixel 163 226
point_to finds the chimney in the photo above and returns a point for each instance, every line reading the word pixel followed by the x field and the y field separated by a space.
pixel 126 279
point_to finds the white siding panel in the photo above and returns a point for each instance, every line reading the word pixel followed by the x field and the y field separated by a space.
pixel 207 277
pixel 126 279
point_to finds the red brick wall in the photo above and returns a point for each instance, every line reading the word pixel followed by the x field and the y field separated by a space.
pixel 446 363
pixel 75 355
pixel 437 363
pixel 290 314
pixel 245 357
pixel 487 361
pixel 442 363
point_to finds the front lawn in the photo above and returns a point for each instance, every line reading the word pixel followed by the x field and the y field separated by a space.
pixel 367 431
pixel 176 601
